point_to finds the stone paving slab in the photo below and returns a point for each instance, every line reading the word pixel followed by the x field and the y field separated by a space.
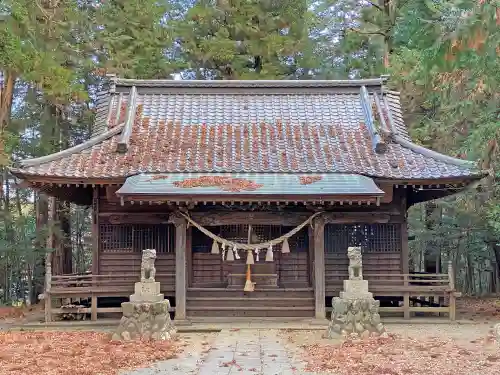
pixel 247 352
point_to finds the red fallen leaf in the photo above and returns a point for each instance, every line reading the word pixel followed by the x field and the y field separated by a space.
pixel 405 355
pixel 78 353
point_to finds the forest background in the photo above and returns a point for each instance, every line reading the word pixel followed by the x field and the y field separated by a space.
pixel 442 55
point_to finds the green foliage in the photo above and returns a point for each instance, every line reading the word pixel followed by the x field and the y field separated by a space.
pixel 449 73
pixel 131 38
pixel 37 44
pixel 244 39
pixel 443 56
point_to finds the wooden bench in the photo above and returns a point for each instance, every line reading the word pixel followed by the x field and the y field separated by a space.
pixel 94 286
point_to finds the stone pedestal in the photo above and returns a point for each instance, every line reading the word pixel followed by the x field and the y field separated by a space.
pixel 355 315
pixel 147 291
pixel 355 289
pixel 146 316
pixel 145 321
pixel 355 311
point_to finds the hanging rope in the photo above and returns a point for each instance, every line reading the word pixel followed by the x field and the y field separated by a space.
pixel 244 246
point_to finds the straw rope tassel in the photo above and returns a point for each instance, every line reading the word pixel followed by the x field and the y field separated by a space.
pixel 285 248
pixel 250 257
pixel 223 251
pixel 269 254
pixel 230 255
pixel 249 286
pixel 215 248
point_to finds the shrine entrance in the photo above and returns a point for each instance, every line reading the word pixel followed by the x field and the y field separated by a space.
pixel 282 286
pixel 228 269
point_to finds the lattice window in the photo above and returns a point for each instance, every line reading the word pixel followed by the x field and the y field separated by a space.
pixel 137 237
pixel 300 241
pixel 260 233
pixel 374 238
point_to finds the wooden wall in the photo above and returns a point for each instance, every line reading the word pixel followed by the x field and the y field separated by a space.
pixel 383 252
pixel 127 263
pixel 381 246
pixel 120 240
pixel 208 270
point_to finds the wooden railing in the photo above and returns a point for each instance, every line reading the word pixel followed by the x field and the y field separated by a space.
pixel 418 292
pixel 93 286
pixel 71 284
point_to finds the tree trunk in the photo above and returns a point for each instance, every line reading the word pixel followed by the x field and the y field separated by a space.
pixel 62 262
pixel 42 221
pixel 7 82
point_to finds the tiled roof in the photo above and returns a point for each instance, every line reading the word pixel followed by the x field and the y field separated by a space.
pixel 190 128
pixel 268 184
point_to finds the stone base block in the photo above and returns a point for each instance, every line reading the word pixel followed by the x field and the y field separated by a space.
pixel 355 316
pixel 350 295
pixel 356 286
pixel 145 321
pixel 138 298
pixel 147 287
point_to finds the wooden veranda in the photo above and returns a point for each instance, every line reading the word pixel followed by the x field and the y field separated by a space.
pixel 306 278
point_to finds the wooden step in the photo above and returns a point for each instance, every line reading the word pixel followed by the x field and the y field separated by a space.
pixel 254 312
pixel 232 293
pixel 248 308
pixel 251 320
pixel 250 301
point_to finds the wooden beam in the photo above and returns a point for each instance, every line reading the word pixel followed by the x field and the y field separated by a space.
pixel 124 141
pixel 180 266
pixel 319 267
pixel 356 217
pixel 255 218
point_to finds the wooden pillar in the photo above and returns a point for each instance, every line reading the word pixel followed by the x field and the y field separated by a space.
pixel 180 266
pixel 451 279
pixel 95 232
pixel 48 282
pixel 95 250
pixel 319 268
pixel 93 307
pixel 189 256
pixel 49 259
pixel 310 255
pixel 405 257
